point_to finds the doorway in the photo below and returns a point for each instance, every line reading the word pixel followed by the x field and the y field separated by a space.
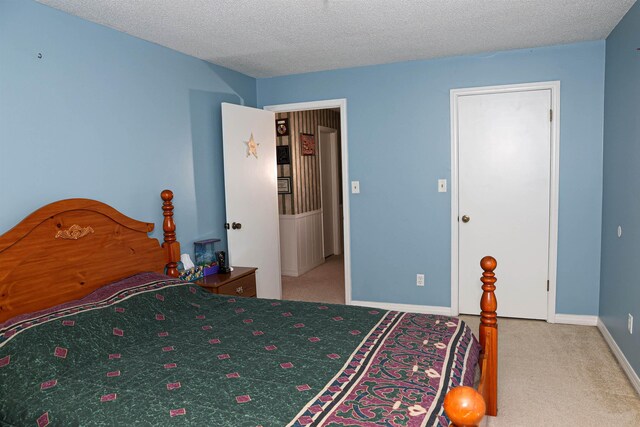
pixel 504 196
pixel 314 223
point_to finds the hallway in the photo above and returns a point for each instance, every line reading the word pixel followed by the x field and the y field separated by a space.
pixel 324 283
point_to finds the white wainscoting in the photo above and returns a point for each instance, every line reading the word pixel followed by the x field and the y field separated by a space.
pixel 300 242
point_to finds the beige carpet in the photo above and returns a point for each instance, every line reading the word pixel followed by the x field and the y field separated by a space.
pixel 324 283
pixel 559 375
pixel 549 375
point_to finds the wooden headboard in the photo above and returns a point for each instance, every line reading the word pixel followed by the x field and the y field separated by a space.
pixel 67 249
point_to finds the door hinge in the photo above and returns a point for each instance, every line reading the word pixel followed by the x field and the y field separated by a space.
pixel 547 286
pixel 550 115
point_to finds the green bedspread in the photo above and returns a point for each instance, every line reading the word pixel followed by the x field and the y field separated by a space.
pixel 155 351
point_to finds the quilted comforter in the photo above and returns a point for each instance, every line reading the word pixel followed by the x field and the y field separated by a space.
pixel 150 350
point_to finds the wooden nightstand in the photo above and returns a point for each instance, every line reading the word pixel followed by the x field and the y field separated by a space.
pixel 240 282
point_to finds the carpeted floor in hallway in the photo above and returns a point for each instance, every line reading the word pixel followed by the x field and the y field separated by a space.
pixel 324 283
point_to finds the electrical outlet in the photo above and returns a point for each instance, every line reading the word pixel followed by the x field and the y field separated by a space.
pixel 420 280
pixel 630 323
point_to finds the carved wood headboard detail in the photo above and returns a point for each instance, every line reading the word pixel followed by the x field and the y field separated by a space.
pixel 67 249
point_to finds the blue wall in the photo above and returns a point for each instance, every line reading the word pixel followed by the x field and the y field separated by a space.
pixel 399 145
pixel 107 116
pixel 620 291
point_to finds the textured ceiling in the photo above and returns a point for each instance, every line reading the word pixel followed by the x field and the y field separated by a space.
pixel 264 38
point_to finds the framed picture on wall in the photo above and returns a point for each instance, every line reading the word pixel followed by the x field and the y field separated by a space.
pixel 282 155
pixel 308 144
pixel 284 185
pixel 282 127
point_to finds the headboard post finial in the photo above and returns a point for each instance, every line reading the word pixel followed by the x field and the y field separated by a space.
pixel 170 245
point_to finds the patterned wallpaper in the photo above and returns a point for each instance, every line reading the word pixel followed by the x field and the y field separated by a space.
pixel 303 170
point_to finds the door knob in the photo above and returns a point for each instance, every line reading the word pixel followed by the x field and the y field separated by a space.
pixel 236 226
pixel 465 218
pixel 226 225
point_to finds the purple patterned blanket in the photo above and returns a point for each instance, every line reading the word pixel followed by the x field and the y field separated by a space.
pixel 398 375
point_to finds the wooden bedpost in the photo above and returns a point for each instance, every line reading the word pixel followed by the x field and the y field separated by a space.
pixel 170 244
pixel 489 336
pixel 464 406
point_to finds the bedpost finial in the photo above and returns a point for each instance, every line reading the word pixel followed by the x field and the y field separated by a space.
pixel 167 211
pixel 464 406
pixel 488 263
pixel 167 195
pixel 488 303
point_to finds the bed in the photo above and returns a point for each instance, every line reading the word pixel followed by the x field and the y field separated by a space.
pixel 95 329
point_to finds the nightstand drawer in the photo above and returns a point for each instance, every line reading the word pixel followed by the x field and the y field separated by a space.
pixel 240 282
pixel 242 287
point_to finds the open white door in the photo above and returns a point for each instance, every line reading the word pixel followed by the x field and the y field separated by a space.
pixel 249 142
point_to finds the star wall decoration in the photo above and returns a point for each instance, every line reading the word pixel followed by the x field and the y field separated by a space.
pixel 252 147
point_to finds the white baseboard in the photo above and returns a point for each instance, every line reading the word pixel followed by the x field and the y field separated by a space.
pixel 410 308
pixel 302 270
pixel 576 319
pixel 626 366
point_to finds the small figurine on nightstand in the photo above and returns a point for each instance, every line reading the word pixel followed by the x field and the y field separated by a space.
pixel 222 262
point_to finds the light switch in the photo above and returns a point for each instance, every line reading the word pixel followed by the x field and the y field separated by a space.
pixel 355 187
pixel 442 186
